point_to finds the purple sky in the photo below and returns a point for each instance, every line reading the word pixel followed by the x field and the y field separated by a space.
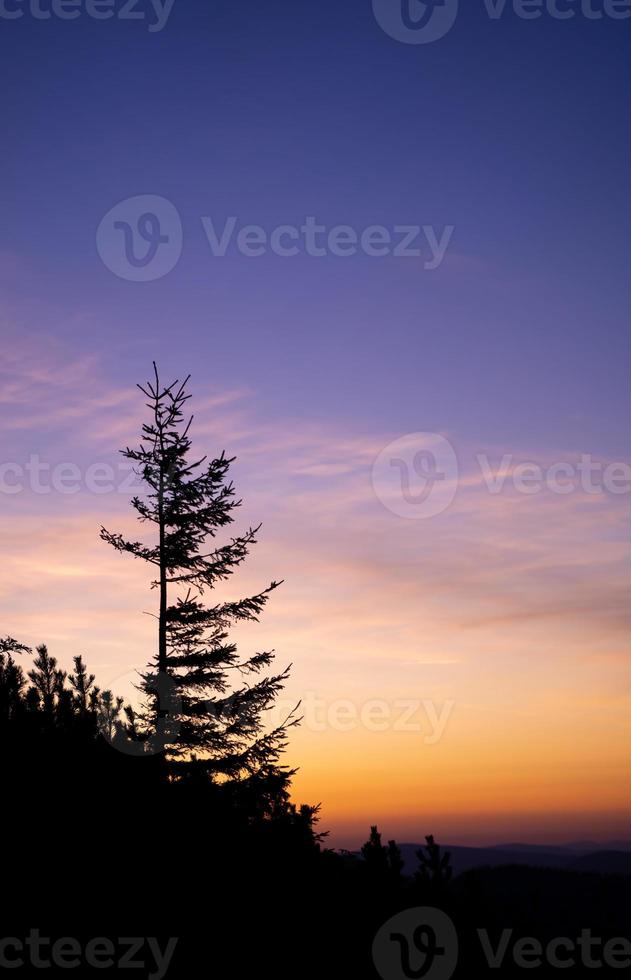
pixel 515 133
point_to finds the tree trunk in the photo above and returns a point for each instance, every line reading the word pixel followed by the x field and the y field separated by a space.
pixel 162 622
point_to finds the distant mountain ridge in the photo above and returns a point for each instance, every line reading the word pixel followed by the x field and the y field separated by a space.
pixel 612 857
pixel 583 847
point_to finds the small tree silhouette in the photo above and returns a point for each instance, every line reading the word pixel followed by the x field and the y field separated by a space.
pixel 82 684
pixel 47 680
pixel 382 860
pixel 435 870
pixel 394 858
pixel 12 679
pixel 109 715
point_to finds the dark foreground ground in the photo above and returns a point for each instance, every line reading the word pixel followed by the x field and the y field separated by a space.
pixel 245 907
pixel 104 873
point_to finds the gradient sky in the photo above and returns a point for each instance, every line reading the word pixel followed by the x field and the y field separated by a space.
pixel 512 609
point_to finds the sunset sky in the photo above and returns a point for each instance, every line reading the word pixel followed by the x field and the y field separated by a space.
pixel 466 674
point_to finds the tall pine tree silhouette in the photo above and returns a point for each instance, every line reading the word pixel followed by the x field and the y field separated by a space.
pixel 205 704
